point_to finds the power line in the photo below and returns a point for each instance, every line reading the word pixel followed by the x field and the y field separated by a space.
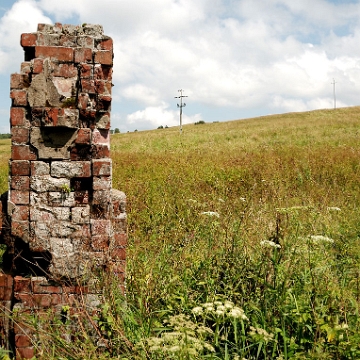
pixel 180 106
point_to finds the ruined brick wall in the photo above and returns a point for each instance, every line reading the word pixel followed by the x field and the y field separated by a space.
pixel 61 217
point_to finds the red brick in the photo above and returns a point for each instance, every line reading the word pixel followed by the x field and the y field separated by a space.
pixel 25 353
pixel 104 57
pixel 88 86
pixel 119 225
pixel 6 280
pixel 20 229
pixel 18 97
pixel 103 87
pixel 81 197
pixel 100 151
pixel 83 55
pixel 102 72
pixel 22 152
pixel 25 67
pixel 99 242
pixel 20 213
pixel 120 239
pixel 100 136
pixel 59 53
pixel 19 81
pixel 47 300
pixel 22 341
pixel 20 167
pixel 28 40
pixel 51 116
pixel 106 44
pixel 37 65
pixel 19 197
pixel 118 253
pixel 20 135
pixel 17 117
pixel 39 287
pixel 83 233
pixel 102 182
pixel 83 136
pixel 101 167
pixel 20 183
pixel 100 227
pixel 65 70
pixel 86 71
pixel 22 285
pixel 83 101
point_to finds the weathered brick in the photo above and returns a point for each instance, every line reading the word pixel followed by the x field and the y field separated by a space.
pixel 106 44
pixel 20 229
pixel 18 97
pixel 20 167
pixel 65 70
pixel 19 135
pixel 101 167
pixel 120 239
pixel 83 101
pixel 67 40
pixel 86 71
pixel 22 341
pixel 103 103
pixel 103 120
pixel 17 117
pixel 19 81
pixel 70 169
pixel 101 136
pixel 25 68
pixel 83 55
pixel 22 284
pixel 104 57
pixel 100 227
pixel 22 152
pixel 103 87
pixel 40 168
pixel 20 197
pixel 28 40
pixel 85 41
pixel 20 183
pixel 37 65
pixel 118 253
pixel 100 151
pixel 48 40
pixel 100 242
pixel 102 72
pixel 88 86
pixel 83 136
pixel 80 215
pixel 102 182
pixel 58 53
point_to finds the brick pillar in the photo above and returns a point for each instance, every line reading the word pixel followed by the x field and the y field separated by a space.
pixel 65 220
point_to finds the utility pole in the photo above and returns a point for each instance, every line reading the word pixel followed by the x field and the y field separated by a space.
pixel 180 106
pixel 333 83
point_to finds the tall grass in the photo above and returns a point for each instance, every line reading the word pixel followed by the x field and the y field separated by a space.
pixel 243 242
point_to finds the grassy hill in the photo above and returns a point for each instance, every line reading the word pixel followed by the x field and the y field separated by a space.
pixel 243 241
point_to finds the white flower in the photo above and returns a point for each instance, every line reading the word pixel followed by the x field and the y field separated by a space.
pixel 321 238
pixel 221 308
pixel 242 199
pixel 333 208
pixel 228 304
pixel 198 310
pixel 211 213
pixel 219 312
pixel 238 313
pixel 268 243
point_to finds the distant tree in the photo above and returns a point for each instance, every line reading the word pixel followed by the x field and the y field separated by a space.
pixel 111 132
pixel 117 131
pixel 160 127
pixel 201 122
pixel 5 136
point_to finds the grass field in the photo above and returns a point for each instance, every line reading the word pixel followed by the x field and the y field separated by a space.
pixel 243 242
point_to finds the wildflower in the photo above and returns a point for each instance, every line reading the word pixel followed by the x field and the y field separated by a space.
pixel 211 213
pixel 269 243
pixel 238 313
pixel 333 208
pixel 198 310
pixel 219 312
pixel 221 308
pixel 262 333
pixel 321 238
pixel 242 199
pixel 228 304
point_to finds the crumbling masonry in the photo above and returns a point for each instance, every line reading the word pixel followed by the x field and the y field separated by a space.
pixel 61 219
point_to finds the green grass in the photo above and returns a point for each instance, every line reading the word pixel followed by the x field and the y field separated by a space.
pixel 260 215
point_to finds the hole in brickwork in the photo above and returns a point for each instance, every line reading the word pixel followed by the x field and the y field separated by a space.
pixel 80 152
pixel 29 53
pixel 25 262
pixel 56 137
pixel 81 184
pixel 100 211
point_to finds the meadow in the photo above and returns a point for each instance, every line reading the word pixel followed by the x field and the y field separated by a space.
pixel 243 243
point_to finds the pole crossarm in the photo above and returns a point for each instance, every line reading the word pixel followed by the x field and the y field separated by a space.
pixel 181 106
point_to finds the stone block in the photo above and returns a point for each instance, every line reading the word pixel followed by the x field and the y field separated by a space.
pixel 17 117
pixel 20 183
pixel 28 40
pixel 85 41
pixel 80 215
pixel 104 57
pixel 47 213
pixel 68 40
pixel 19 135
pixel 53 198
pixel 56 53
pixel 20 167
pixel 45 40
pixel 70 169
pixel 102 182
pixel 39 168
pixel 102 167
pixel 47 183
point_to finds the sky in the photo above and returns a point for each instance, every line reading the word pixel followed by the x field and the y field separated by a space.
pixel 234 59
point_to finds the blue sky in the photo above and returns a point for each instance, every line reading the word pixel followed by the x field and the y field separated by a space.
pixel 233 58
